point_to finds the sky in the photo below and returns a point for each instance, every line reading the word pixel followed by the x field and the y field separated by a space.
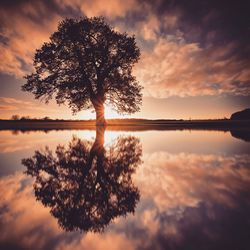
pixel 195 54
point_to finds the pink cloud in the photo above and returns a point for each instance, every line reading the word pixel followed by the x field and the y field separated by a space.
pixel 24 35
pixel 20 106
pixel 186 179
pixel 10 100
pixel 171 66
pixel 19 201
pixel 8 108
pixel 169 182
pixel 110 9
pixel 33 230
pixel 175 67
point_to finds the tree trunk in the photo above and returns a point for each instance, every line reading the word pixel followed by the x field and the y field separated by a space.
pixel 97 150
pixel 99 109
pixel 99 139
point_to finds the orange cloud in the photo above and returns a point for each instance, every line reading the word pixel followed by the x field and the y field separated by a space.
pixel 187 179
pixel 19 203
pixel 20 106
pixel 111 241
pixel 10 100
pixel 175 67
pixel 170 64
pixel 170 185
pixel 111 8
pixel 23 34
pixel 8 108
pixel 29 225
pixel 30 26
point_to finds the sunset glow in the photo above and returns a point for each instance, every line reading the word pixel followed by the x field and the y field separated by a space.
pixel 191 66
pixel 124 124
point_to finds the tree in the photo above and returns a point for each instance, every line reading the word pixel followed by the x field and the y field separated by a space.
pixel 15 117
pixel 85 64
pixel 85 185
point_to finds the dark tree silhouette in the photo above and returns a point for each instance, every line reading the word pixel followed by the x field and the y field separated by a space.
pixel 84 185
pixel 87 63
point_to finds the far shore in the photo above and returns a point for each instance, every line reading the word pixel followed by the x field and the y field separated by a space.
pixel 126 124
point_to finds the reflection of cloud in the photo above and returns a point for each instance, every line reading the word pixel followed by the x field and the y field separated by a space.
pixel 11 145
pixel 186 199
pixel 192 200
pixel 187 179
pixel 25 223
pixel 18 201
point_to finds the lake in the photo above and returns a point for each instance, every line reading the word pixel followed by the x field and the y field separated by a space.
pixel 87 189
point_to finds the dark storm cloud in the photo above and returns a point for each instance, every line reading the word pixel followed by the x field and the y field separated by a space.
pixel 230 18
pixel 200 44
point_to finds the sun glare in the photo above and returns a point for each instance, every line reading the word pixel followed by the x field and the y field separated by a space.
pixel 90 135
pixel 110 113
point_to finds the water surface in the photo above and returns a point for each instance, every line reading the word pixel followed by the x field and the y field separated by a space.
pixel 78 189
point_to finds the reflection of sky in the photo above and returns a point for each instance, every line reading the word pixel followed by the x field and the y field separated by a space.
pixel 194 191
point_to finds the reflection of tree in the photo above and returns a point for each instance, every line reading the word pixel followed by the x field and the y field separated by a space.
pixel 86 186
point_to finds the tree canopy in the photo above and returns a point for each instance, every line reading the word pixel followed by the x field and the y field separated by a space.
pixel 85 64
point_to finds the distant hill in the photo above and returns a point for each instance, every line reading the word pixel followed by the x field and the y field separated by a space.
pixel 241 115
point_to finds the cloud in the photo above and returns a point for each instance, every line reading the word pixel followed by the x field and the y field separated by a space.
pixel 22 34
pixel 12 104
pixel 8 108
pixel 14 101
pixel 182 54
pixel 21 106
pixel 91 241
pixel 175 67
pixel 31 25
pixel 110 9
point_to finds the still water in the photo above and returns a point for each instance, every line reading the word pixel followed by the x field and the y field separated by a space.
pixel 86 189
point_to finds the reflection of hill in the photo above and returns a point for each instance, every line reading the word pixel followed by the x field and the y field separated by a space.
pixel 86 185
pixel 241 134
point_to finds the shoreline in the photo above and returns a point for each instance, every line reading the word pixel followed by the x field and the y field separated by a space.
pixel 126 124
